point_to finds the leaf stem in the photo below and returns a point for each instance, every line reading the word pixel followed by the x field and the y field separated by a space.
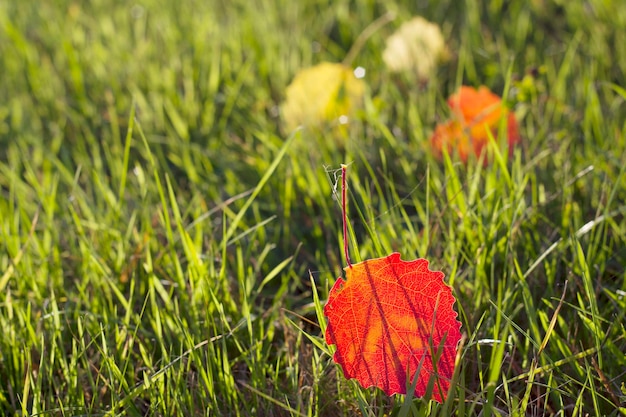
pixel 344 214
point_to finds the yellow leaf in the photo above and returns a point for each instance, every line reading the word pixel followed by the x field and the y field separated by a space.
pixel 321 94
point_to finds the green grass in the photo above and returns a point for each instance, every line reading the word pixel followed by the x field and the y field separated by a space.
pixel 165 247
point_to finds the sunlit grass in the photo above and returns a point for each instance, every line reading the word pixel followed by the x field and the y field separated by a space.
pixel 166 246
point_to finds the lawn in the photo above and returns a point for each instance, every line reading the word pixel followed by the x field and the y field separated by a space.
pixel 167 242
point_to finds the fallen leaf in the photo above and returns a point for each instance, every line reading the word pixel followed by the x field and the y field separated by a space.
pixel 476 115
pixel 388 319
pixel 418 45
pixel 319 94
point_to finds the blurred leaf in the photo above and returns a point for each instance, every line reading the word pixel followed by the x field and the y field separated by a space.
pixel 321 94
pixel 477 115
pixel 418 45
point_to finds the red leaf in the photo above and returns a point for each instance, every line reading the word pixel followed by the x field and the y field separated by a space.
pixel 388 320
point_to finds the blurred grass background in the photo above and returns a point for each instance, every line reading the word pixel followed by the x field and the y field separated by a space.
pixel 159 227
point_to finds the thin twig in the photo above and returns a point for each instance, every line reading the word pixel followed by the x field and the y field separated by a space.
pixel 344 214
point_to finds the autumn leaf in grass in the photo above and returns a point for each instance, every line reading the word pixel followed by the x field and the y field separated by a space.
pixel 418 46
pixel 476 114
pixel 393 324
pixel 327 92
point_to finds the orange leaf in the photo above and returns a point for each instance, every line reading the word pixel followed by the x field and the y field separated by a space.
pixel 451 135
pixel 477 113
pixel 388 319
